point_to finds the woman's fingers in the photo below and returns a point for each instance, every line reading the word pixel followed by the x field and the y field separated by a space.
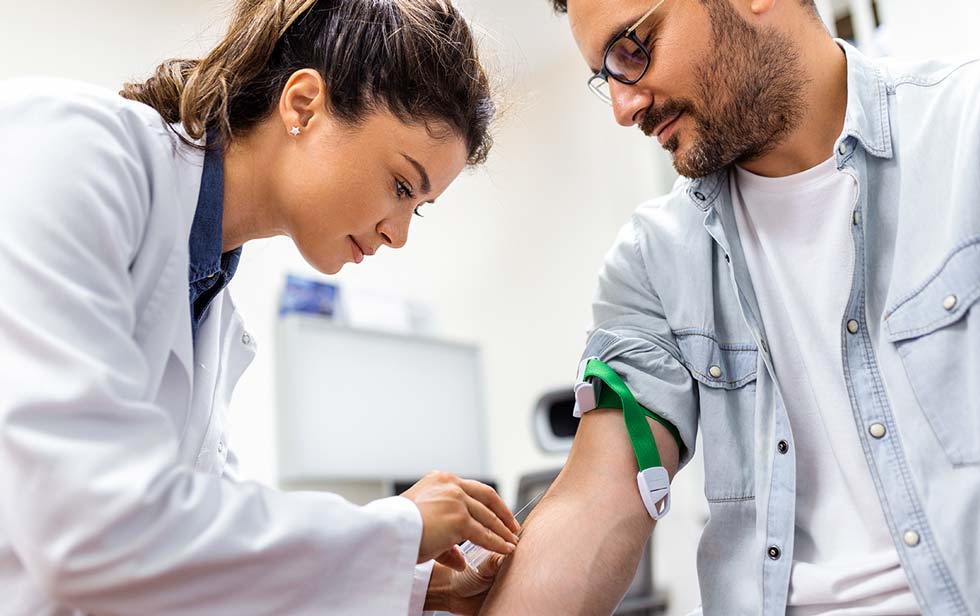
pixel 488 570
pixel 486 538
pixel 453 558
pixel 483 515
pixel 489 497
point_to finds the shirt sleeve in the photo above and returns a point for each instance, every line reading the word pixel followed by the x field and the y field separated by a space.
pixel 94 505
pixel 631 335
pixel 420 588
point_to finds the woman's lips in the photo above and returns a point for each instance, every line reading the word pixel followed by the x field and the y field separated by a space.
pixel 356 251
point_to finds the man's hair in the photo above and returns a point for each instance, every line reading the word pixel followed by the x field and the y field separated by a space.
pixel 561 6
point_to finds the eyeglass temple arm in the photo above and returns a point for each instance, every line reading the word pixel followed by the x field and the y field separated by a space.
pixel 645 15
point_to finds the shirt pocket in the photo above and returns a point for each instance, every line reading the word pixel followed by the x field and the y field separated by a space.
pixel 726 377
pixel 936 330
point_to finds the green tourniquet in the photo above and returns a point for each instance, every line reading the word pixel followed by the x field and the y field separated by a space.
pixel 613 396
pixel 644 445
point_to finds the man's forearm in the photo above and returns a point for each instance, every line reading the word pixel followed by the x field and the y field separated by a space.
pixel 574 558
pixel 580 548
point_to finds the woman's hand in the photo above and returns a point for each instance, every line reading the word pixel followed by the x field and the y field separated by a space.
pixel 456 510
pixel 461 592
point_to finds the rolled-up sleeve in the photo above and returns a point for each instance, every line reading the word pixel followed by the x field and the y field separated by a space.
pixel 630 333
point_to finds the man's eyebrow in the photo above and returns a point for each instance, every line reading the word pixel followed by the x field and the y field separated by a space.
pixel 426 186
pixel 612 37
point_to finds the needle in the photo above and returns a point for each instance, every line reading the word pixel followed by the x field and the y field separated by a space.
pixel 525 507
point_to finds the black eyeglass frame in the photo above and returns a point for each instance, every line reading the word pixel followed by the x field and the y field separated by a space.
pixel 603 75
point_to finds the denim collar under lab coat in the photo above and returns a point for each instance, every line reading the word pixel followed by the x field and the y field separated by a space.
pixel 210 271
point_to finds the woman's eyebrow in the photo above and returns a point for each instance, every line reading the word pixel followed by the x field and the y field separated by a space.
pixel 425 185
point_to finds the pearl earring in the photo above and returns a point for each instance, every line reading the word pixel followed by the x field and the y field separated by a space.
pixel 294 131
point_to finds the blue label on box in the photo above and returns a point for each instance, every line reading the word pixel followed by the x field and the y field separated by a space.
pixel 308 296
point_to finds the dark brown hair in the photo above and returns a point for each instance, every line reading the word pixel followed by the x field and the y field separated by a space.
pixel 561 6
pixel 416 59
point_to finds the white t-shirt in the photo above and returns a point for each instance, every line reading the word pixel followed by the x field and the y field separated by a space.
pixel 796 235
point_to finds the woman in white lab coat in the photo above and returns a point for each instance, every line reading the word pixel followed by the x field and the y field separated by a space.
pixel 123 217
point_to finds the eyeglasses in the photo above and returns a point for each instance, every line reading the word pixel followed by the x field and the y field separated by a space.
pixel 626 59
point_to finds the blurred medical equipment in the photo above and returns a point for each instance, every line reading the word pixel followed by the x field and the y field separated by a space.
pixel 308 296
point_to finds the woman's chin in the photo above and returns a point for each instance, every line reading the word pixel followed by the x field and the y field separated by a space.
pixel 323 261
pixel 331 269
pixel 325 265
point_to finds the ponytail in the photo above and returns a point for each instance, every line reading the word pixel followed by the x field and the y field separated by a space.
pixel 416 59
pixel 197 93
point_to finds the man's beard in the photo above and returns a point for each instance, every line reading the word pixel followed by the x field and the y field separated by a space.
pixel 751 97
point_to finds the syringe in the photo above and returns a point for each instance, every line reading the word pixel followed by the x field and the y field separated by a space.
pixel 476 555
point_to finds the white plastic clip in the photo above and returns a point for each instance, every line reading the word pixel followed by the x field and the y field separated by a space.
pixel 654 487
pixel 585 394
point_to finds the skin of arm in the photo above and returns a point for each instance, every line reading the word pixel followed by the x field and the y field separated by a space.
pixel 581 545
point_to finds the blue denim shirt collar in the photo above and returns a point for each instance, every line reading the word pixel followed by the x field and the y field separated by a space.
pixel 210 270
pixel 866 119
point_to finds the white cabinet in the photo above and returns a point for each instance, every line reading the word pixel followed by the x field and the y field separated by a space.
pixel 358 405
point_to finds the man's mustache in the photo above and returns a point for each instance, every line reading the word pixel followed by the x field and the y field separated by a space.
pixel 655 117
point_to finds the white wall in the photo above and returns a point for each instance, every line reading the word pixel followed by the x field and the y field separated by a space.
pixel 917 29
pixel 104 42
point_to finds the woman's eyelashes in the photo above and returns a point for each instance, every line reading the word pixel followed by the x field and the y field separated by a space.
pixel 404 191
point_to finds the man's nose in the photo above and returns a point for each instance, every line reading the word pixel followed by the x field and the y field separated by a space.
pixel 629 102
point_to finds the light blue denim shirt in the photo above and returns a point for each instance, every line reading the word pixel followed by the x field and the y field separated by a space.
pixel 675 299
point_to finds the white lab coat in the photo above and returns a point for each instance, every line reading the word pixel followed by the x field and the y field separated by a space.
pixel 117 491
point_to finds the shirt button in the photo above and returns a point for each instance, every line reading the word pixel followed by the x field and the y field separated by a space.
pixel 210 276
pixel 842 148
pixel 221 447
pixel 911 538
pixel 852 326
pixel 857 217
pixel 715 372
pixel 246 339
pixel 774 552
pixel 950 302
pixel 877 430
pixel 763 345
pixel 782 447
pixel 699 196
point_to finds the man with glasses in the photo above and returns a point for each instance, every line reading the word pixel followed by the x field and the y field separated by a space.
pixel 806 297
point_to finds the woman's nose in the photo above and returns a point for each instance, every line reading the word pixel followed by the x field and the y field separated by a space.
pixel 394 232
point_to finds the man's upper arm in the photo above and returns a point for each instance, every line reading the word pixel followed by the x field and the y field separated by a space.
pixel 632 336
pixel 580 547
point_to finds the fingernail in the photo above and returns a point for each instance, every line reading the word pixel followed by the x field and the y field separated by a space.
pixel 511 547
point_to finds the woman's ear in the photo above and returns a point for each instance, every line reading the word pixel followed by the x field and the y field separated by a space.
pixel 303 99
